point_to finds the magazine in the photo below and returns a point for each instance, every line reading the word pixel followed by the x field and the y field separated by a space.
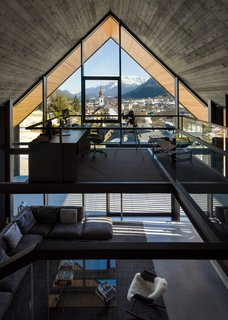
pixel 105 291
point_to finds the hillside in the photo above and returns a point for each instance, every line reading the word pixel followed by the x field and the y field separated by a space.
pixel 149 89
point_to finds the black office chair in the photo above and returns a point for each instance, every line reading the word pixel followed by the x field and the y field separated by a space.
pixel 96 137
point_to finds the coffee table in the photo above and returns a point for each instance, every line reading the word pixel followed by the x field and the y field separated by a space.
pixel 78 285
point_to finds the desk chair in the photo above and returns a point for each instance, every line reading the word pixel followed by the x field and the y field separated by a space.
pixel 96 137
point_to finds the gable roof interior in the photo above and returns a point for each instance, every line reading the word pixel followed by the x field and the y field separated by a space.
pixel 109 28
pixel 191 38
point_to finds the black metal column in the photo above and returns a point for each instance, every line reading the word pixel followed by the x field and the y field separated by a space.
pixel 175 209
pixel 5 159
pixel 44 98
pixel 176 87
pixel 16 162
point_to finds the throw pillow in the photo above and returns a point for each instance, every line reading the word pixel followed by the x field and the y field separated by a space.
pixel 68 215
pixel 26 221
pixel 13 236
pixel 226 215
pixel 47 214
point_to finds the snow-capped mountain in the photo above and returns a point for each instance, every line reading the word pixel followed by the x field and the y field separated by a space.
pixel 133 80
pixel 132 88
pixel 110 88
pixel 148 89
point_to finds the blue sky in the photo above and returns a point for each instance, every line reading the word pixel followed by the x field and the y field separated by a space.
pixel 105 62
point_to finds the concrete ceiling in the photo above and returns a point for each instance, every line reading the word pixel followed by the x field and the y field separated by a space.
pixel 191 37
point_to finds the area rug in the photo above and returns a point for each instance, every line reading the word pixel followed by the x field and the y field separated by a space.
pixel 125 271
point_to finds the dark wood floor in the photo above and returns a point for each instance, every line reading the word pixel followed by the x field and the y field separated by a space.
pixel 129 165
pixel 125 165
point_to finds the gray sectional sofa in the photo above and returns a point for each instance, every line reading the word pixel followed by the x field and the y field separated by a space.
pixel 37 223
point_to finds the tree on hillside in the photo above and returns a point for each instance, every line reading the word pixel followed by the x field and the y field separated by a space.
pixel 58 103
pixel 75 105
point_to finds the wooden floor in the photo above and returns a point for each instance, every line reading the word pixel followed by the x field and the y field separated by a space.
pixel 195 291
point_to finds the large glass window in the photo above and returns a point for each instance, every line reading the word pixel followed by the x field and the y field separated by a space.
pixel 101 100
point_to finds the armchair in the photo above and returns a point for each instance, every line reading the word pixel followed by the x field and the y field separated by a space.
pixel 145 288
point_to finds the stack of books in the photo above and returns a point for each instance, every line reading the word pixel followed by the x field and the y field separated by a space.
pixel 64 277
pixel 105 291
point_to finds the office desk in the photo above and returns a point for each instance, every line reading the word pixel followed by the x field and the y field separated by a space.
pixel 55 161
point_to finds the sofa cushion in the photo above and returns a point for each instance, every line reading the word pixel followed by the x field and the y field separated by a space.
pixel 26 241
pixel 5 300
pixel 98 228
pixel 13 235
pixel 42 229
pixel 66 231
pixel 26 220
pixel 68 215
pixel 47 214
pixel 80 210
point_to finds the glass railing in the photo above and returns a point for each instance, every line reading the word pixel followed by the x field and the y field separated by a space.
pixel 208 132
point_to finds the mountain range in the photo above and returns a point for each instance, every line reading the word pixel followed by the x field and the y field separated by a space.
pixel 148 89
pixel 132 88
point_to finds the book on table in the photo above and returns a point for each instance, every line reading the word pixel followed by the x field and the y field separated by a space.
pixel 64 277
pixel 105 291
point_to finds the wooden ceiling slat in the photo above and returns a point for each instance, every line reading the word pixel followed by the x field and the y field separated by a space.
pixel 94 41
pixel 23 109
pixel 191 103
pixel 64 70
